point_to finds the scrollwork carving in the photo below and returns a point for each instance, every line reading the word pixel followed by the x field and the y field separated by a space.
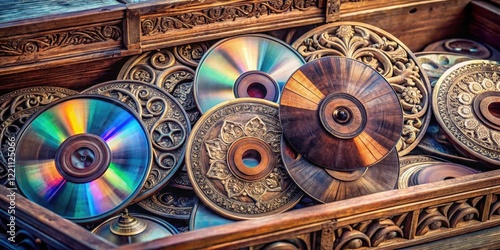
pixel 171 203
pixel 155 25
pixel 385 54
pixel 31 45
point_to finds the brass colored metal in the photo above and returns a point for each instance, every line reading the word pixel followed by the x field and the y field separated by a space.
pixel 166 121
pixel 16 108
pixel 435 63
pixel 127 225
pixel 172 70
pixel 132 228
pixel 234 163
pixel 340 114
pixel 170 202
pixel 325 185
pixel 388 56
pixel 467 105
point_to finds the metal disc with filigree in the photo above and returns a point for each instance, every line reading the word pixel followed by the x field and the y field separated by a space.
pixel 234 162
pixel 419 169
pixel 170 202
pixel 340 114
pixel 435 63
pixel 166 121
pixel 171 69
pixel 387 55
pixel 466 103
pixel 16 108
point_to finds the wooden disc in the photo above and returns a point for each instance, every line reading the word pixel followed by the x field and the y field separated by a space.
pixel 234 162
pixel 388 56
pixel 326 185
pixel 466 103
pixel 340 114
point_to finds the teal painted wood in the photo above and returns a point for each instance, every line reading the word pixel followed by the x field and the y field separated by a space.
pixel 11 11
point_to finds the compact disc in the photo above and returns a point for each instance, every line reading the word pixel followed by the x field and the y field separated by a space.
pixel 244 66
pixel 84 157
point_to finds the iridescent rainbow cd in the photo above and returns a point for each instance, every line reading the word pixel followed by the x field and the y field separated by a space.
pixel 245 66
pixel 84 157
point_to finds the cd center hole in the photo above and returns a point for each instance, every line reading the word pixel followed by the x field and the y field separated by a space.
pixel 448 178
pixel 82 158
pixel 341 115
pixel 257 90
pixel 251 158
pixel 494 109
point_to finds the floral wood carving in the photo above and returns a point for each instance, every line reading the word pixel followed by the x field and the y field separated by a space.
pixel 155 25
pixel 37 44
pixel 495 205
pixel 170 69
pixel 385 54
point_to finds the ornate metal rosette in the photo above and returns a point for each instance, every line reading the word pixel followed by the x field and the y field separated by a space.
pixel 386 54
pixel 466 102
pixel 166 121
pixel 234 162
pixel 171 69
pixel 170 202
pixel 436 63
pixel 16 108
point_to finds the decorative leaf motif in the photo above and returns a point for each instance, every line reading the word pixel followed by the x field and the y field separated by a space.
pixel 231 131
pixel 255 127
pixel 255 190
pixel 234 187
pixel 273 182
pixel 216 149
pixel 218 170
pixel 274 140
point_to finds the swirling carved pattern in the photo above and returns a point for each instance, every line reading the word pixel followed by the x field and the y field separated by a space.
pixel 370 233
pixel 389 57
pixel 171 203
pixel 32 45
pixel 152 26
pixel 165 120
pixel 170 69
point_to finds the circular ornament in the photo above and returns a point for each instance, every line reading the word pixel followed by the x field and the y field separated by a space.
pixel 234 163
pixel 132 228
pixel 166 121
pixel 83 157
pixel 466 103
pixel 325 185
pixel 340 114
pixel 244 66
pixel 465 47
pixel 388 56
pixel 170 202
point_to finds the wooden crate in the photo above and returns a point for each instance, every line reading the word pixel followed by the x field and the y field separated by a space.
pixel 77 49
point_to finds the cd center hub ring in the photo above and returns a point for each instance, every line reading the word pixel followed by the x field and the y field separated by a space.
pixel 342 115
pixel 487 107
pixel 256 84
pixel 255 150
pixel 83 158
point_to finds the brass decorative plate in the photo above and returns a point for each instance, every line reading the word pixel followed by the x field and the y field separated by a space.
pixel 340 114
pixel 465 47
pixel 16 108
pixel 436 63
pixel 325 185
pixel 166 121
pixel 466 103
pixel 171 69
pixel 387 55
pixel 181 180
pixel 170 202
pixel 234 162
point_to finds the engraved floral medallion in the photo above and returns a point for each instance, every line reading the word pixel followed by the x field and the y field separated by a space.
pixel 234 162
pixel 388 56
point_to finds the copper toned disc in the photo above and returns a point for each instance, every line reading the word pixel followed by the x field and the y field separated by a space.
pixel 234 162
pixel 388 56
pixel 327 185
pixel 340 114
pixel 466 102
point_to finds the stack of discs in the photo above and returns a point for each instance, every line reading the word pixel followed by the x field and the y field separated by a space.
pixel 84 157
pixel 342 120
pixel 416 170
